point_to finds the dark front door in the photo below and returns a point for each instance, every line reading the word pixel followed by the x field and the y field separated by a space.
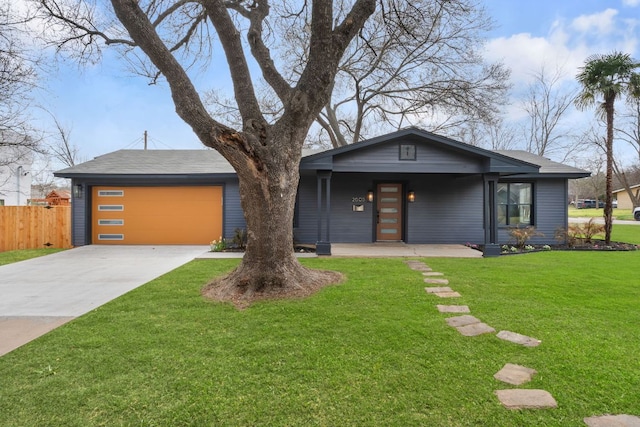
pixel 389 212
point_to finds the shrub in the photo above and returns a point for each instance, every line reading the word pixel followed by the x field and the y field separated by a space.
pixel 218 245
pixel 240 238
pixel 577 232
pixel 521 235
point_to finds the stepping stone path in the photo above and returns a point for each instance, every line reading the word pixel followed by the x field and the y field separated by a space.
pixel 469 325
pixel 436 281
pixel 515 374
pixel 512 374
pixel 453 308
pixel 518 339
pixel 613 421
pixel 526 399
pixel 475 329
pixel 442 292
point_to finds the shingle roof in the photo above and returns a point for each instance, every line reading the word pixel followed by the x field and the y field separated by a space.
pixel 196 162
pixel 152 162
pixel 546 166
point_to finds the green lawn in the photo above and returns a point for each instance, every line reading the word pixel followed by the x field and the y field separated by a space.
pixel 14 256
pixel 623 214
pixel 371 351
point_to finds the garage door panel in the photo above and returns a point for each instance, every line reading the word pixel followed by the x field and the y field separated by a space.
pixel 157 215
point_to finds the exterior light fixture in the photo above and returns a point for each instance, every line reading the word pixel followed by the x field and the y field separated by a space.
pixel 411 196
pixel 78 191
pixel 370 196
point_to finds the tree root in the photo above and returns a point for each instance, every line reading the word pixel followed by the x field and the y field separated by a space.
pixel 247 284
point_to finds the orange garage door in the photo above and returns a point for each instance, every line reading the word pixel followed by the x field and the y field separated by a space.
pixel 156 215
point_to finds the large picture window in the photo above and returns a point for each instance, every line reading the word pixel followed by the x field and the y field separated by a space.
pixel 515 203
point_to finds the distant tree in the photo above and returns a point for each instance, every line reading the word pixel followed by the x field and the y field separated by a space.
pixel 493 134
pixel 60 146
pixel 413 63
pixel 265 151
pixel 17 80
pixel 608 77
pixel 546 105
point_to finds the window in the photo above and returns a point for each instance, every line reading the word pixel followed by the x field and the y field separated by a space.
pixel 515 203
pixel 110 207
pixel 111 193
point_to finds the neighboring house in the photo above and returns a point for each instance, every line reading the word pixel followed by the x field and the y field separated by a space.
pixel 15 175
pixel 624 201
pixel 411 186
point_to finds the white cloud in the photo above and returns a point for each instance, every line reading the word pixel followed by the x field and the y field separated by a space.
pixel 602 23
pixel 631 3
pixel 566 45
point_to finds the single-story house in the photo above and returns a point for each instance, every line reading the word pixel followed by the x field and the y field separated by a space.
pixel 411 186
pixel 624 201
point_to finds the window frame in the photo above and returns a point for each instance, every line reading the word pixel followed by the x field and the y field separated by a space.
pixel 509 206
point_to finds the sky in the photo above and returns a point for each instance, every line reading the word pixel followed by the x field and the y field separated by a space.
pixel 108 109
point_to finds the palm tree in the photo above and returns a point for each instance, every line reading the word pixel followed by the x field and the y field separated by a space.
pixel 608 77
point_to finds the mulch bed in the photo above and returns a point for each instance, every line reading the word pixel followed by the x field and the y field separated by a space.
pixel 595 245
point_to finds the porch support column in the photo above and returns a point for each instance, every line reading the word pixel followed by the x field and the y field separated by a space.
pixel 323 243
pixel 491 244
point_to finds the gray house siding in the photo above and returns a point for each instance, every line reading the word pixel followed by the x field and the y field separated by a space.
pixel 306 223
pixel 446 210
pixel 79 218
pixel 385 158
pixel 233 217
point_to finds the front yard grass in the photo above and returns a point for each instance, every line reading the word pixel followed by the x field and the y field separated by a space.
pixel 371 351
pixel 8 257
pixel 622 214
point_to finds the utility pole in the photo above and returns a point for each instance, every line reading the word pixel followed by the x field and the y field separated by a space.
pixel 145 139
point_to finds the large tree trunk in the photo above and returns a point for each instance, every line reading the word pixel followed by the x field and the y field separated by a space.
pixel 269 267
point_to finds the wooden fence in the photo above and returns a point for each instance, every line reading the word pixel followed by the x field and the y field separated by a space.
pixel 33 227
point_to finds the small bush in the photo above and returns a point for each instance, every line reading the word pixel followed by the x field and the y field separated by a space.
pixel 521 235
pixel 218 245
pixel 579 233
pixel 240 238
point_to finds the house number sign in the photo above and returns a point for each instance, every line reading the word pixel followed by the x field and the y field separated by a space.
pixel 358 200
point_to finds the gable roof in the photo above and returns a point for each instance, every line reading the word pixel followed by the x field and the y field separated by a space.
pixel 505 162
pixel 137 163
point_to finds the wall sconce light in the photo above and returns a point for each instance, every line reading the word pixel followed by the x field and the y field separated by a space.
pixel 78 191
pixel 370 196
pixel 411 196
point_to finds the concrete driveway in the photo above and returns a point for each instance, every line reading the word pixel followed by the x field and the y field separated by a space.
pixel 40 294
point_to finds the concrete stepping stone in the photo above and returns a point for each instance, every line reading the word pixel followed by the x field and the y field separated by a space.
pixel 423 268
pixel 436 281
pixel 515 374
pixel 437 289
pixel 432 273
pixel 418 265
pixel 463 320
pixel 623 420
pixel 518 338
pixel 451 294
pixel 475 329
pixel 526 399
pixel 453 308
